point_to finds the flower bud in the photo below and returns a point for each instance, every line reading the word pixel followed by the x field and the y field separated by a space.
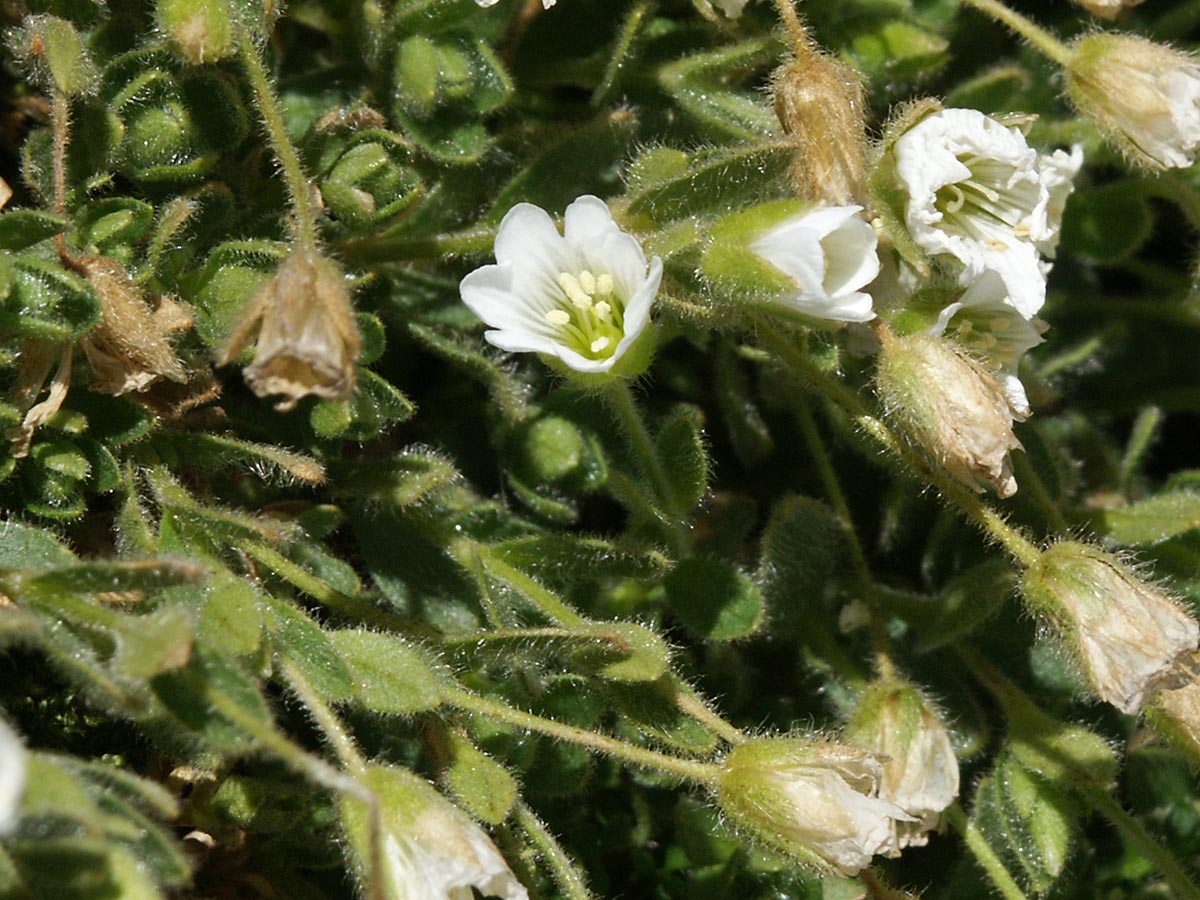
pixel 430 848
pixel 1107 9
pixel 1143 96
pixel 12 777
pixel 53 52
pixel 307 337
pixel 817 801
pixel 1126 634
pixel 129 350
pixel 920 771
pixel 201 30
pixel 819 102
pixel 949 406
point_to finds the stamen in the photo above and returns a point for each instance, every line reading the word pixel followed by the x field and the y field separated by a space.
pixel 959 201
pixel 599 344
pixel 602 310
pixel 994 244
pixel 604 284
pixel 588 281
pixel 1022 229
pixel 574 291
pixel 558 317
pixel 983 189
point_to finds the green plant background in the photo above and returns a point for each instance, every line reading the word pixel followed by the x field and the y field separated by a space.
pixel 165 566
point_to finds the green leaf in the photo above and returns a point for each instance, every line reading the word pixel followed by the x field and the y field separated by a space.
pixel 299 639
pixel 21 228
pixel 484 787
pixel 681 446
pixel 391 676
pixel 197 694
pixel 106 577
pixel 155 643
pixel 25 547
pixel 1108 223
pixel 698 84
pixel 714 600
pixel 1152 521
pixel 800 548
pixel 568 559
pixel 965 603
pixel 626 651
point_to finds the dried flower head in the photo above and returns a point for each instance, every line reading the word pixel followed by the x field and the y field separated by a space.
pixel 920 771
pixel 1143 96
pixel 128 350
pixel 1129 637
pixel 819 102
pixel 817 801
pixel 951 407
pixel 307 338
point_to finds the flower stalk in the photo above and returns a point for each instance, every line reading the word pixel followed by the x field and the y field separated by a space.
pixel 1040 38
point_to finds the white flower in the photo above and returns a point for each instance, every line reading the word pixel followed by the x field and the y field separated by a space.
pixel 1129 636
pixel 1144 96
pixel 546 4
pixel 582 297
pixel 731 8
pixel 1106 9
pixel 829 252
pixel 443 855
pixel 920 770
pixel 818 801
pixel 978 192
pixel 986 323
pixel 12 777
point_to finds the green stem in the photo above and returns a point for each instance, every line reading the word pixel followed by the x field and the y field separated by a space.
pixel 690 703
pixel 60 112
pixel 327 721
pixel 984 854
pixel 621 401
pixel 305 225
pixel 475 241
pixel 1039 37
pixel 566 874
pixel 1032 482
pixel 688 770
pixel 802 44
pixel 545 599
pixel 990 521
pixel 1103 802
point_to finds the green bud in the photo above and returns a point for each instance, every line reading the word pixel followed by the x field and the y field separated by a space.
pixel 950 407
pixel 1131 639
pixel 55 55
pixel 816 801
pixel 731 265
pixel 553 448
pixel 201 30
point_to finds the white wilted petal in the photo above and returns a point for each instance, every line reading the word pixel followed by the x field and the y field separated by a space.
pixel 976 191
pixel 830 255
pixel 815 800
pixel 1128 636
pixel 12 777
pixel 1144 96
pixel 582 297
pixel 920 770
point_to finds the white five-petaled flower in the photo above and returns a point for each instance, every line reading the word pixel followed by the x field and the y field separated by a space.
pixel 818 801
pixel 1144 96
pixel 12 777
pixel 582 297
pixel 984 322
pixel 978 192
pixel 830 254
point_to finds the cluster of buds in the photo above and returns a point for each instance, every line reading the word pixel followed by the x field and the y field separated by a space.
pixel 1131 639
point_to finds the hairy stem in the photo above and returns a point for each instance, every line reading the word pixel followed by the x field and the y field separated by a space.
pixel 688 770
pixel 566 873
pixel 984 854
pixel 1039 37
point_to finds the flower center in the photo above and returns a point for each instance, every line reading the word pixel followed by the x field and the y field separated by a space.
pixel 590 316
pixel 983 204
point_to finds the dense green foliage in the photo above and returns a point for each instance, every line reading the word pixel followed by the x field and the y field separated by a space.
pixel 192 578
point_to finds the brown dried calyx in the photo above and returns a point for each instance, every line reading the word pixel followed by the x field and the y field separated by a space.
pixel 307 338
pixel 129 350
pixel 820 104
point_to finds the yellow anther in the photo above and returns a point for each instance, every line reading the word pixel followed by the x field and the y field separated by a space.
pixel 999 246
pixel 604 285
pixel 558 317
pixel 1022 229
pixel 602 310
pixel 574 291
pixel 599 344
pixel 588 281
